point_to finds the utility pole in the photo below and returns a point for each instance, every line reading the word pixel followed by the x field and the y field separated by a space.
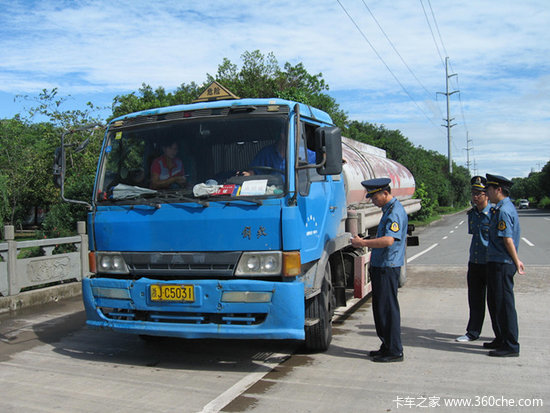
pixel 448 120
pixel 468 149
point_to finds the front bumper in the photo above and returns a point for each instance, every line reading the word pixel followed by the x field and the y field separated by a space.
pixel 128 308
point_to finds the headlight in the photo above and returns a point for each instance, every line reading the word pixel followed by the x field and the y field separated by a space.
pixel 259 263
pixel 111 262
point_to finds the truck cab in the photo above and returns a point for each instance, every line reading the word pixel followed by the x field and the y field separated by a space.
pixel 229 218
pixel 238 245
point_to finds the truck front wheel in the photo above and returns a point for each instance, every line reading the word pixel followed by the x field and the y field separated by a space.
pixel 319 319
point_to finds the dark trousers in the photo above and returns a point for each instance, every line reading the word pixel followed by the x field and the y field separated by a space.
pixel 385 307
pixel 500 298
pixel 477 290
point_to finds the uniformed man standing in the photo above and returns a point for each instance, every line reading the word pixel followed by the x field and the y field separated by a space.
pixel 387 258
pixel 478 227
pixel 503 262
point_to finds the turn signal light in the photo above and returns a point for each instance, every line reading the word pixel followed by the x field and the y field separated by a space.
pixel 292 265
pixel 91 262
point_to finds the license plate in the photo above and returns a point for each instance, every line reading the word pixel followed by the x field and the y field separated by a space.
pixel 172 293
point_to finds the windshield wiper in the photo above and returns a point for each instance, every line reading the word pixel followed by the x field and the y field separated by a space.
pixel 228 200
pixel 178 196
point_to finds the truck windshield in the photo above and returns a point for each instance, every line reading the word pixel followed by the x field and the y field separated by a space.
pixel 231 156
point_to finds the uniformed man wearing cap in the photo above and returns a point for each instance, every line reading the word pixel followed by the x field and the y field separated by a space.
pixel 387 258
pixel 478 226
pixel 503 262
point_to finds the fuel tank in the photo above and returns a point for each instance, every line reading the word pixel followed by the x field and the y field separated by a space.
pixel 362 162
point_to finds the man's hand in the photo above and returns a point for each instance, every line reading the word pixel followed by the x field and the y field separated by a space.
pixel 357 242
pixel 521 268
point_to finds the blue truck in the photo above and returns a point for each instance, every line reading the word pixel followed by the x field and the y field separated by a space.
pixel 244 233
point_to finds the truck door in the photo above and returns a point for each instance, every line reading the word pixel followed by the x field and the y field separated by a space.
pixel 318 199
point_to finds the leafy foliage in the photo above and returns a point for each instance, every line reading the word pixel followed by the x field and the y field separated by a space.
pixel 428 204
pixel 259 77
pixel 147 98
pixel 26 173
pixel 26 155
pixel 535 188
pixel 28 142
pixel 429 168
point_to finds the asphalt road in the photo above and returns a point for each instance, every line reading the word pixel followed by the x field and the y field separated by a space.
pixel 446 242
pixel 49 362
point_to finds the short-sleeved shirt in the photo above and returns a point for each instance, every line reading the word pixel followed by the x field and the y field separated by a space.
pixel 159 167
pixel 269 156
pixel 504 223
pixel 393 223
pixel 478 226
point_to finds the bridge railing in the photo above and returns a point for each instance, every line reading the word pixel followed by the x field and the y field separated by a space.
pixel 18 274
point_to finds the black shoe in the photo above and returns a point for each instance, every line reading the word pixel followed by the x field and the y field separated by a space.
pixel 377 353
pixel 388 358
pixel 503 353
pixel 492 345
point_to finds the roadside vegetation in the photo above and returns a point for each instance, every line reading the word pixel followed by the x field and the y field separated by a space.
pixel 27 145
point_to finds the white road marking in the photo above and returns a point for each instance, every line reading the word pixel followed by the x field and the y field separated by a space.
pixel 422 252
pixel 445 237
pixel 528 242
pixel 451 232
pixel 244 384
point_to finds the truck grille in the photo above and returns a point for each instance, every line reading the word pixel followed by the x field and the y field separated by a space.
pixel 172 264
pixel 184 318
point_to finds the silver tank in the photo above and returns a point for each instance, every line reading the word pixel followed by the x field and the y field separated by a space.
pixel 362 161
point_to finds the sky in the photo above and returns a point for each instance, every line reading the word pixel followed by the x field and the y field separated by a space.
pixel 384 61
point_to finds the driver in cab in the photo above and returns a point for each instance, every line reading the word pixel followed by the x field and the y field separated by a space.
pixel 272 159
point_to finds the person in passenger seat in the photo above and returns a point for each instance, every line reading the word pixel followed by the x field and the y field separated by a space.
pixel 167 170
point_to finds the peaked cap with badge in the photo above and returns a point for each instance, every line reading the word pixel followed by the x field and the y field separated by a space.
pixel 478 183
pixel 497 180
pixel 376 185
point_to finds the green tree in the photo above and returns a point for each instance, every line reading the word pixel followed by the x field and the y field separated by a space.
pixel 545 179
pixel 147 98
pixel 25 171
pixel 28 146
pixel 4 200
pixel 27 151
pixel 529 188
pixel 429 204
pixel 260 76
pixel 429 168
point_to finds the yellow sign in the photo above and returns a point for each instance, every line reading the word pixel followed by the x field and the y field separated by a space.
pixel 215 92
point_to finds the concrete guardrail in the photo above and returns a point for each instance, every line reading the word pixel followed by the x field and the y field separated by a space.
pixel 36 275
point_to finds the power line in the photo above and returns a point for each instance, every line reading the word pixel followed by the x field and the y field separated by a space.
pixel 395 49
pixel 385 64
pixel 437 27
pixel 432 32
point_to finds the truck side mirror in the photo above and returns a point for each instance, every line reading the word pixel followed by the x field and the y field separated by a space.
pixel 328 142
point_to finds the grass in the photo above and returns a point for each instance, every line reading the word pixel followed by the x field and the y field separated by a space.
pixel 441 211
